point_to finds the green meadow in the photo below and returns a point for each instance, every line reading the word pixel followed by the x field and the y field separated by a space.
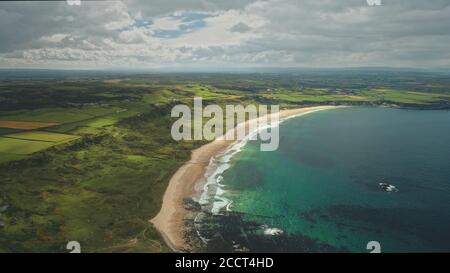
pixel 41 136
pixel 21 146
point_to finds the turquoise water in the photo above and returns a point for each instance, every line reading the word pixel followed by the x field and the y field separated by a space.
pixel 322 182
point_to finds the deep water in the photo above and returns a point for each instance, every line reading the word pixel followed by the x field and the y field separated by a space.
pixel 323 181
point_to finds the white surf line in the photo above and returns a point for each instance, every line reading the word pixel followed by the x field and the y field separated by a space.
pixel 215 169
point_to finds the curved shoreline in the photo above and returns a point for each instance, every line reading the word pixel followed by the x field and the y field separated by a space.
pixel 170 219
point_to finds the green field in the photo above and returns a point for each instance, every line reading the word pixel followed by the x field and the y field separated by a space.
pixel 22 147
pixel 58 115
pixel 42 136
pixel 16 146
pixel 409 97
pixel 6 157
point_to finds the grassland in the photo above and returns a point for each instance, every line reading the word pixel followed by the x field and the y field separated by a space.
pixel 18 146
pixel 96 174
pixel 42 136
pixel 21 147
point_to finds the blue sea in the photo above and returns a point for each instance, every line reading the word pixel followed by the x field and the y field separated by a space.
pixel 323 182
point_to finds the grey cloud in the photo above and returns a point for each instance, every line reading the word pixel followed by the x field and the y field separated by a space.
pixel 308 33
pixel 332 35
pixel 162 7
pixel 240 27
pixel 25 23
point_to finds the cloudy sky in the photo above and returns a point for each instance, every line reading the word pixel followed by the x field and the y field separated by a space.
pixel 225 33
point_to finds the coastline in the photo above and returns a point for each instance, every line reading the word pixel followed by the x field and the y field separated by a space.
pixel 170 220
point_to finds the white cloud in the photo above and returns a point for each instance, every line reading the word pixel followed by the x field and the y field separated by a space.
pixel 167 23
pixel 217 31
pixel 55 38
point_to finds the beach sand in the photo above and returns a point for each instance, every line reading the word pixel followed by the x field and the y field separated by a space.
pixel 170 219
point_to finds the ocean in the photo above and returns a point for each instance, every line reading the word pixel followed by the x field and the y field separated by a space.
pixel 320 191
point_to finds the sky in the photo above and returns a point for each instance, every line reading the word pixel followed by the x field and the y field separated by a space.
pixel 142 34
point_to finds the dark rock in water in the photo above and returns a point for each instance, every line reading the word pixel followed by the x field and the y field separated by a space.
pixel 232 233
pixel 239 248
pixel 190 204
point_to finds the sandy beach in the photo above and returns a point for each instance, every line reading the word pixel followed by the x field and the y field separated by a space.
pixel 170 219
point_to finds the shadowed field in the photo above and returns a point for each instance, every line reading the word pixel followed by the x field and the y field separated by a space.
pixel 24 125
